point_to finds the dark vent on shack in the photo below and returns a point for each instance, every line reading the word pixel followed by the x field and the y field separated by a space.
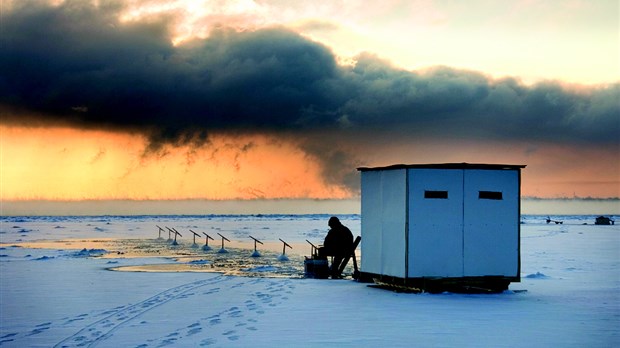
pixel 436 194
pixel 490 195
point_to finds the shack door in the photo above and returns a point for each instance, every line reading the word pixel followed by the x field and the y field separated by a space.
pixel 491 225
pixel 435 223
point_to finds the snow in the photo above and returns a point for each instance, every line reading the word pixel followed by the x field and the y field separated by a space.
pixel 57 289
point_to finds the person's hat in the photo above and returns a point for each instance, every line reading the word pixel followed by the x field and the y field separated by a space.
pixel 333 221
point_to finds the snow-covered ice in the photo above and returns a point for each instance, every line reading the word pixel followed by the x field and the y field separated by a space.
pixel 57 290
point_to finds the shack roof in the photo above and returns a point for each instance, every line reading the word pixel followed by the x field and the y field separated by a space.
pixel 447 166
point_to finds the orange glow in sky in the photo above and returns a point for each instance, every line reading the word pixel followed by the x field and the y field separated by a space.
pixel 68 164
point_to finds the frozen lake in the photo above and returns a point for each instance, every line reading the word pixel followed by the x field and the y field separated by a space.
pixel 53 293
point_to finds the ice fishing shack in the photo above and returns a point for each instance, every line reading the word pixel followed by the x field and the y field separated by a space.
pixel 436 227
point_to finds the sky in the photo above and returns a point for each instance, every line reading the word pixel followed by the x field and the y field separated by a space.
pixel 227 100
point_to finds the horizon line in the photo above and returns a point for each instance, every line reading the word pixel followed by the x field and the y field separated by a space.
pixel 46 200
pixel 282 206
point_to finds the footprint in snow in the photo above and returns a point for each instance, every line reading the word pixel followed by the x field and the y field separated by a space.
pixel 250 305
pixel 234 312
pixel 208 342
pixel 38 329
pixel 211 291
pixel 231 335
pixel 167 342
pixel 193 329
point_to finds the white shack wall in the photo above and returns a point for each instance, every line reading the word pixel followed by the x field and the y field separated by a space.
pixel 435 224
pixel 491 226
pixel 383 222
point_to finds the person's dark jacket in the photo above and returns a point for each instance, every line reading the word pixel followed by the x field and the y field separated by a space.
pixel 339 240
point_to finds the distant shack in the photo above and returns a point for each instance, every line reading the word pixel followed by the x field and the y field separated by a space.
pixel 603 220
pixel 438 227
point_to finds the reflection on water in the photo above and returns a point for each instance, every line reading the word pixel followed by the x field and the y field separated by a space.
pixel 236 261
pixel 187 257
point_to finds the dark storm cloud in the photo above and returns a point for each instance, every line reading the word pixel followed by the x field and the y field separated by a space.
pixel 451 102
pixel 77 64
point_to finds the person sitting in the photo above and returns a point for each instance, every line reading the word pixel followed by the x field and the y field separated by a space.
pixel 338 243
